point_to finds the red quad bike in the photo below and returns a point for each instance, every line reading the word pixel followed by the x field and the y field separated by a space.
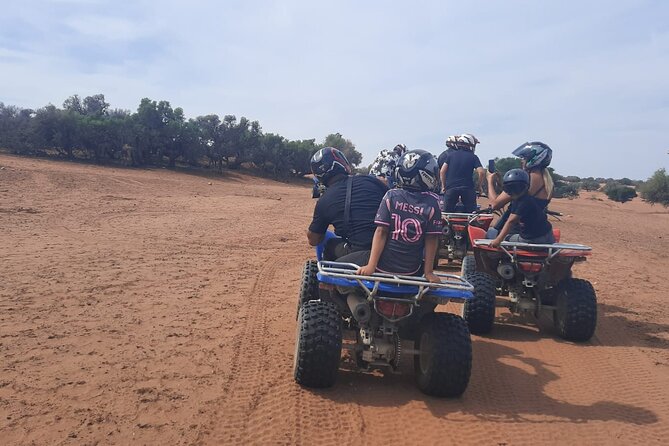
pixel 454 243
pixel 536 278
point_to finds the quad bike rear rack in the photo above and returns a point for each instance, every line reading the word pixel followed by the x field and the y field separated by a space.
pixel 344 275
pixel 470 217
pixel 552 249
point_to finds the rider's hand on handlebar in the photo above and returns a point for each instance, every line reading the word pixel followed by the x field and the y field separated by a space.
pixel 366 270
pixel 432 278
pixel 496 243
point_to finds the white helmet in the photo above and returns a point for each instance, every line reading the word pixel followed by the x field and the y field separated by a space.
pixel 400 149
pixel 452 141
pixel 467 141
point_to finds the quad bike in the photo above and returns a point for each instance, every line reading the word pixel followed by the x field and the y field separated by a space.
pixel 379 312
pixel 535 278
pixel 454 243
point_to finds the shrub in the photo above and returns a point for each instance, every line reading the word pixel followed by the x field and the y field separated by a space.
pixel 565 190
pixel 590 185
pixel 656 189
pixel 619 192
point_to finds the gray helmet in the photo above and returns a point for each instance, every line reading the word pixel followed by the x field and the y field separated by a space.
pixel 417 170
pixel 536 154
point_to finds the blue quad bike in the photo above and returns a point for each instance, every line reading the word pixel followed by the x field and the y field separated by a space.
pixel 375 314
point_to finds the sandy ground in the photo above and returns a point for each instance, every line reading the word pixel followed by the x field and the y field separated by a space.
pixel 151 307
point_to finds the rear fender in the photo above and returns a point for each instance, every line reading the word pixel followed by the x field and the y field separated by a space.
pixel 320 248
pixel 475 233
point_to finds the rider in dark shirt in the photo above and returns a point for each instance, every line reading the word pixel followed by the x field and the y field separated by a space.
pixel 457 174
pixel 451 145
pixel 331 167
pixel 526 211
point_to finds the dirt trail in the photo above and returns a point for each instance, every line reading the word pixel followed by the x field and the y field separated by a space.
pixel 149 306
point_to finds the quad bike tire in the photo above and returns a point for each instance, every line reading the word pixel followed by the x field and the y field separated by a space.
pixel 318 344
pixel 443 366
pixel 575 317
pixel 479 311
pixel 468 266
pixel 309 285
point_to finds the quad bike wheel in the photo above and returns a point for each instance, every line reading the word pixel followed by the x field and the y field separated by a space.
pixel 444 363
pixel 309 285
pixel 318 344
pixel 575 317
pixel 479 311
pixel 468 266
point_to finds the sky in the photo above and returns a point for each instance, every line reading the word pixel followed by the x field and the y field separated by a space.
pixel 589 78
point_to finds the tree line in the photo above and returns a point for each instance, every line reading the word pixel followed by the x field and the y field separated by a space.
pixel 157 134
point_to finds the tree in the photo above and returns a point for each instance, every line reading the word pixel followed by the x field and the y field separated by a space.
pixel 300 153
pixel 656 189
pixel 95 105
pixel 503 165
pixel 74 104
pixel 337 141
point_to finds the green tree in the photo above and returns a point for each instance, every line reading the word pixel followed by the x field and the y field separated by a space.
pixel 337 141
pixel 503 165
pixel 656 189
pixel 95 105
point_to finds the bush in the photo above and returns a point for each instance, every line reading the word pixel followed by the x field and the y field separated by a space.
pixel 618 192
pixel 656 189
pixel 626 182
pixel 565 190
pixel 590 185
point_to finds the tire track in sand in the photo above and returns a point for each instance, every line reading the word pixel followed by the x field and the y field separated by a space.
pixel 260 393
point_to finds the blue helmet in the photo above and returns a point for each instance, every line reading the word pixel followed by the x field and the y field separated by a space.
pixel 329 162
pixel 516 182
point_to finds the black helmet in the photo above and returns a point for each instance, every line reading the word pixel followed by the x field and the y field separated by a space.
pixel 417 170
pixel 328 162
pixel 515 182
pixel 535 154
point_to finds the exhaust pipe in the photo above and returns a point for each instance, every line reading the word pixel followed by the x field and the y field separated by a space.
pixel 359 308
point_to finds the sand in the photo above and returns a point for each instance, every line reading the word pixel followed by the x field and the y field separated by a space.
pixel 152 307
